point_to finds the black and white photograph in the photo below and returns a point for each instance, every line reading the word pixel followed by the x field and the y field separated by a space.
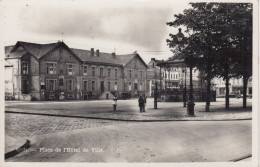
pixel 129 81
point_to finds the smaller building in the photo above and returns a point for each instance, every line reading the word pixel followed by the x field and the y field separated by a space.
pixel 173 80
pixel 235 86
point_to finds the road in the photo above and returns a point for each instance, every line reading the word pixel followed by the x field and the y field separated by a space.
pixel 173 141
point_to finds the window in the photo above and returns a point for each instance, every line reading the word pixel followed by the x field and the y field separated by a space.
pixel 70 85
pixel 51 84
pixel 25 68
pixel 141 74
pixel 130 86
pixel 51 68
pixel 93 71
pixel 70 69
pixel 85 85
pixel 115 85
pixel 141 86
pixel 101 71
pixel 85 70
pixel 61 82
pixel 109 72
pixel 171 76
pixel 116 72
pixel 109 86
pixel 130 73
pixel 93 86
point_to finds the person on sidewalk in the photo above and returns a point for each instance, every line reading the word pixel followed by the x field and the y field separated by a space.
pixel 144 102
pixel 141 103
pixel 114 102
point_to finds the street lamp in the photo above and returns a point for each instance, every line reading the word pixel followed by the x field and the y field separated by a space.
pixel 185 88
pixel 190 109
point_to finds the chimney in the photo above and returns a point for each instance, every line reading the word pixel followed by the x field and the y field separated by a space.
pixel 97 52
pixel 114 55
pixel 153 59
pixel 92 51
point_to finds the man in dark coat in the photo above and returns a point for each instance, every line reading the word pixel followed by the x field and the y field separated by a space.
pixel 141 103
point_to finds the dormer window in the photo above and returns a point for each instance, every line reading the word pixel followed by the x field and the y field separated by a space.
pixel 25 67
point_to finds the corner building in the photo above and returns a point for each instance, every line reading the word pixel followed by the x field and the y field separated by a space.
pixel 56 72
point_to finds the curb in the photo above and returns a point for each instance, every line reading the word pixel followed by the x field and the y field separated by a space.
pixel 127 120
pixel 242 158
pixel 18 150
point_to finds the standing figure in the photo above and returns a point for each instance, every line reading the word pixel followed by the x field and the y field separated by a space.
pixel 141 103
pixel 114 102
pixel 144 102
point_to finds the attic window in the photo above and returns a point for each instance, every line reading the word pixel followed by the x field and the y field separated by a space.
pixel 60 51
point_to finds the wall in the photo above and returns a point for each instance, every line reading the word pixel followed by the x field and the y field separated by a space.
pixel 136 65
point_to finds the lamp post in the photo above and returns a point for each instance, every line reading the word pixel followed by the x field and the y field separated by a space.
pixel 190 108
pixel 185 89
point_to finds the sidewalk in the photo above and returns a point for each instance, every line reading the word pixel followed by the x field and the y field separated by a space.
pixel 129 111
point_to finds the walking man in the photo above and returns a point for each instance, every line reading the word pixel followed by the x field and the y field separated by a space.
pixel 141 103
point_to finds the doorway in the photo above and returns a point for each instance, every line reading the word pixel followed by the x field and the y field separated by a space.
pixel 25 87
pixel 102 86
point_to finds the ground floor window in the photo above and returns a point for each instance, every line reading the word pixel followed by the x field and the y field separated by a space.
pixel 93 85
pixel 141 86
pixel 115 85
pixel 70 85
pixel 129 86
pixel 108 85
pixel 85 85
pixel 61 81
pixel 51 84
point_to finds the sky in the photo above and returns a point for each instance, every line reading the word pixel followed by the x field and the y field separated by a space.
pixel 123 26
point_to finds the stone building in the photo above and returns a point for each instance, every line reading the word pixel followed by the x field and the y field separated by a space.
pixel 56 72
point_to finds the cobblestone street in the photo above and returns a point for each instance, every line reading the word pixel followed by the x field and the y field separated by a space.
pixel 32 125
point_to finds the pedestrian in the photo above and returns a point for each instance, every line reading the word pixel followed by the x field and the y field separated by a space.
pixel 114 102
pixel 144 102
pixel 141 103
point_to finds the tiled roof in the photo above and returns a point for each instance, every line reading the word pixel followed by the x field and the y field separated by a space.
pixel 85 55
pixel 39 50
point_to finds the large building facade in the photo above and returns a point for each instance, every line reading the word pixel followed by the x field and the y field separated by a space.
pixel 56 72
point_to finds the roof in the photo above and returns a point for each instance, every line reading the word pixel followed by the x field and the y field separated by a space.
pixel 39 50
pixel 85 55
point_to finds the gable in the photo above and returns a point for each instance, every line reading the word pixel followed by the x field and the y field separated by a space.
pixel 136 63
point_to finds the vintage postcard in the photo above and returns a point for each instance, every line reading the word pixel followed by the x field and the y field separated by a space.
pixel 129 82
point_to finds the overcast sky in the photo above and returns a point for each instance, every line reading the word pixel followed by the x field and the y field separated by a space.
pixel 124 25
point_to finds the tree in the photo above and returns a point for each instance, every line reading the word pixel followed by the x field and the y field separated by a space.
pixel 199 44
pixel 236 48
pixel 220 42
